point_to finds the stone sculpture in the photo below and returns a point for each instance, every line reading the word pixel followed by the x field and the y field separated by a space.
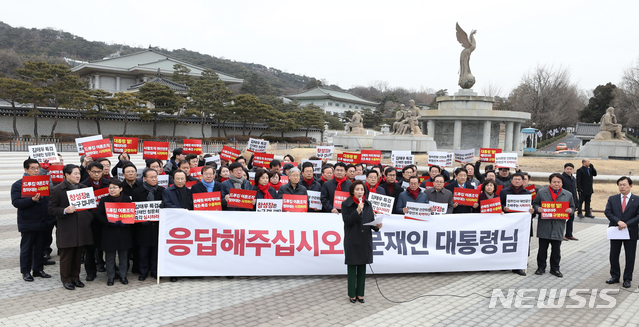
pixel 407 120
pixel 466 79
pixel 356 126
pixel 609 129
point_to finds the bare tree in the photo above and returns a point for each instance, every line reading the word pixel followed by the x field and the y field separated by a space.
pixel 492 90
pixel 626 100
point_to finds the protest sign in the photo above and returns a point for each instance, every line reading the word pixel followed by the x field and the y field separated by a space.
pixel 43 153
pixel 531 188
pixel 360 178
pixel 192 146
pixel 147 211
pixel 317 165
pixel 402 161
pixel 32 185
pixel 381 203
pixel 518 203
pixel 155 150
pixel 314 201
pixel 294 203
pixel 488 154
pixel 82 199
pixel 490 206
pixel 371 157
pixel 120 211
pixel 239 198
pixel 196 173
pixel 339 197
pixel 163 180
pixel 441 159
pixel 229 154
pixel 215 159
pixel 55 171
pixel 417 211
pixel 324 152
pixel 464 155
pixel 555 210
pixel 98 148
pixel 262 160
pixel 207 201
pixel 505 160
pixel 395 153
pixel 428 185
pixel 99 194
pixel 80 140
pixel 465 196
pixel 255 145
pixel 438 208
pixel 190 184
pixel 125 145
pixel 349 157
pixel 268 205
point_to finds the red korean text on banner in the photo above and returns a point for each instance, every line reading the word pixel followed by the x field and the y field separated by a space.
pixel 371 157
pixel 239 198
pixel 98 148
pixel 57 176
pixel 155 150
pixel 229 154
pixel 196 173
pixel 192 146
pixel 349 158
pixel 294 203
pixel 488 154
pixel 120 211
pixel 555 210
pixel 531 188
pixel 32 185
pixel 497 191
pixel 465 196
pixel 100 193
pixel 211 201
pixel 340 196
pixel 490 206
pixel 125 145
pixel 262 160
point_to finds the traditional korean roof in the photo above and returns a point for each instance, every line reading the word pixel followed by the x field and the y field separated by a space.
pixel 176 87
pixel 587 130
pixel 321 93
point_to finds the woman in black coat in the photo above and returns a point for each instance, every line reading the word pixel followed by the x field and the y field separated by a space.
pixel 263 186
pixel 116 237
pixel 358 239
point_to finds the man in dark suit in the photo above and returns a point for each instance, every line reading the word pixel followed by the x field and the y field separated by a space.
pixel 570 185
pixel 93 259
pixel 207 184
pixel 339 182
pixel 146 233
pixel 584 187
pixel 623 211
pixel 390 186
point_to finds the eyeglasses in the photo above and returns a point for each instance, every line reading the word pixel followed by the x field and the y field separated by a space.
pixel 95 171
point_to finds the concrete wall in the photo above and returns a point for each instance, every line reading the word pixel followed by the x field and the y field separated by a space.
pixel 472 134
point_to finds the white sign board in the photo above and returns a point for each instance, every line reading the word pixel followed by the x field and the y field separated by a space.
pixel 314 201
pixel 256 145
pixel 417 211
pixel 147 210
pixel 464 155
pixel 438 208
pixel 441 159
pixel 317 165
pixel 518 203
pixel 381 203
pixel 403 161
pixel 268 205
pixel 324 152
pixel 82 199
pixel 163 180
pixel 215 159
pixel 505 160
pixel 43 153
pixel 79 141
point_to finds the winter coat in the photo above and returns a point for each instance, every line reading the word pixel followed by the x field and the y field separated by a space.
pixel 553 229
pixel 114 236
pixel 358 239
pixel 74 229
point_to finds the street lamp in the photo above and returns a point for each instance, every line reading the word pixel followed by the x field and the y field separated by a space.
pixel 234 136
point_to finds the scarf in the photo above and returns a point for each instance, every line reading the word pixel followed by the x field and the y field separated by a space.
pixel 554 194
pixel 71 186
pixel 96 185
pixel 151 189
pixel 323 179
pixel 356 200
pixel 264 189
pixel 237 182
pixel 222 179
pixel 517 190
pixel 490 196
pixel 209 186
pixel 276 186
pixel 339 182
pixel 414 193
pixel 371 189
pixel 308 182
pixel 185 197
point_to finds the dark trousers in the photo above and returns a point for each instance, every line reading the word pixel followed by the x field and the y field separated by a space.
pixel 70 265
pixel 583 197
pixel 555 254
pixel 148 259
pixel 569 225
pixel 31 251
pixel 123 259
pixel 48 238
pixel 356 276
pixel 89 260
pixel 630 249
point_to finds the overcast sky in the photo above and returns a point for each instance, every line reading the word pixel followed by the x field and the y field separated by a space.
pixel 411 44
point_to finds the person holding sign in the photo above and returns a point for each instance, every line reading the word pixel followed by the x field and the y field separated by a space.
pixel 74 227
pixel 516 187
pixel 412 194
pixel 207 184
pixel 236 180
pixel 461 181
pixel 551 231
pixel 439 194
pixel 432 172
pixel 97 181
pixel 622 210
pixel 487 190
pixel 33 219
pixel 338 183
pixel 116 237
pixel 293 187
pixel 358 239
pixel 263 186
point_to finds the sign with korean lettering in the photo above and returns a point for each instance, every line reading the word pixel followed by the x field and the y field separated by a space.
pixel 155 150
pixel 163 180
pixel 339 197
pixel 125 144
pixel 505 160
pixel 324 152
pixel 314 201
pixel 441 159
pixel 402 161
pixel 239 198
pixel 215 159
pixel 555 210
pixel 531 188
pixel 465 196
pixel 417 211
pixel 490 206
pixel 268 205
pixel 518 203
pixel 204 243
pixel 120 211
pixel 262 160
pixel 371 157
pixel 488 154
pixel 464 155
pixel 229 154
pixel 32 185
pixel 98 148
pixel 438 208
pixel 99 194
pixel 207 201
pixel 294 203
pixel 147 211
pixel 381 203
pixel 43 153
pixel 82 199
pixel 55 171
pixel 317 165
pixel 196 173
pixel 256 145
pixel 349 157
pixel 79 141
pixel 192 146
pixel 395 153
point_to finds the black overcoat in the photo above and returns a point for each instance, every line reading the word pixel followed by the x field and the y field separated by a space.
pixel 358 239
pixel 114 236
pixel 146 233
pixel 73 229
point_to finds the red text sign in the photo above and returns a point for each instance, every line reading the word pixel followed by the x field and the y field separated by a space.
pixel 125 145
pixel 192 146
pixel 98 148
pixel 55 171
pixel 262 160
pixel 32 185
pixel 488 154
pixel 555 210
pixel 349 158
pixel 239 198
pixel 531 188
pixel 155 150
pixel 118 211
pixel 294 203
pixel 491 206
pixel 465 196
pixel 340 196
pixel 229 154
pixel 371 157
pixel 211 201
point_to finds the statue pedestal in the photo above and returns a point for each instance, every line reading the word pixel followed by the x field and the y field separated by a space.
pixel 353 141
pixel 414 143
pixel 609 150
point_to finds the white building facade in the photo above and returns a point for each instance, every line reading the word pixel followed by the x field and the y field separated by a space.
pixel 332 101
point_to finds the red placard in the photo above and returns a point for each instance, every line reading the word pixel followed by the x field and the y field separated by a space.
pixel 294 203
pixel 371 157
pixel 497 191
pixel 262 160
pixel 428 185
pixel 239 198
pixel 190 184
pixel 490 206
pixel 98 148
pixel 229 154
pixel 488 154
pixel 196 173
pixel 32 185
pixel 211 201
pixel 340 196
pixel 192 146
pixel 125 145
pixel 100 193
pixel 55 171
pixel 555 210
pixel 423 178
pixel 284 179
pixel 155 150
pixel 349 157
pixel 466 196
pixel 531 188
pixel 119 211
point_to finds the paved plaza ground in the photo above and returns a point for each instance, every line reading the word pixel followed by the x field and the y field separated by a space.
pixel 450 298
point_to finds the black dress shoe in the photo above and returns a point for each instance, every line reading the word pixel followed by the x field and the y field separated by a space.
pixel 580 215
pixel 142 277
pixel 110 282
pixel 124 281
pixel 540 271
pixel 352 300
pixel 153 275
pixel 612 281
pixel 90 278
pixel 27 277
pixel 49 263
pixel 78 283
pixel 360 300
pixel 69 286
pixel 100 269
pixel 626 284
pixel 590 215
pixel 519 272
pixel 42 274
pixel 47 256
pixel 556 273
pixel 173 279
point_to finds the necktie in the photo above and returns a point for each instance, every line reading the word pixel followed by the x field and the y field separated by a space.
pixel 623 204
pixel 588 169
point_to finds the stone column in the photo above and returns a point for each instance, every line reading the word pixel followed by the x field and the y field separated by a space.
pixel 431 128
pixel 422 125
pixel 508 145
pixel 96 84
pixel 517 137
pixel 117 83
pixel 457 132
pixel 486 141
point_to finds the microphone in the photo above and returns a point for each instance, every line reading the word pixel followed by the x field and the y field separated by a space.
pixel 361 199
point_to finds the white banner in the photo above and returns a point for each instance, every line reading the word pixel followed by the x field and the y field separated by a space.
pixel 324 152
pixel 381 203
pixel 215 159
pixel 317 165
pixel 163 180
pixel 464 155
pixel 147 210
pixel 400 162
pixel 256 145
pixel 441 159
pixel 520 203
pixel 82 199
pixel 314 201
pixel 417 211
pixel 43 153
pixel 268 205
pixel 505 160
pixel 221 243
pixel 79 141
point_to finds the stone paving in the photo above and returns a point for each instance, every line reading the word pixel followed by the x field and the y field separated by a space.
pixel 443 299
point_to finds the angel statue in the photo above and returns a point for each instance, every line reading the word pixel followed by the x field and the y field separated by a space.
pixel 466 79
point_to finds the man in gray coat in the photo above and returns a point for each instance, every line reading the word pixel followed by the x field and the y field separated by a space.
pixel 551 231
